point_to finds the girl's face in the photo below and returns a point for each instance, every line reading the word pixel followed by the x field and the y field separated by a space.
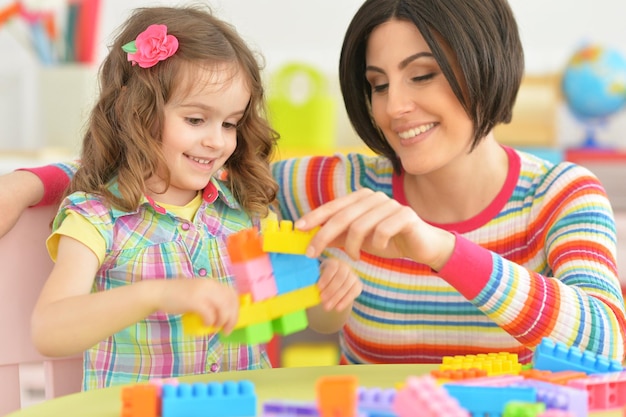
pixel 412 102
pixel 200 131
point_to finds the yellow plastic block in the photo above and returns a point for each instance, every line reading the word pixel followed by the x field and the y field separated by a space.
pixel 293 301
pixel 280 237
pixel 502 363
pixel 310 354
pixel 253 313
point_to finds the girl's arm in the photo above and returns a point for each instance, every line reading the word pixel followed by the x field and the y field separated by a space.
pixel 69 319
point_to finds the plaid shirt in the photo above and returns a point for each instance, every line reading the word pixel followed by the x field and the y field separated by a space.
pixel 152 243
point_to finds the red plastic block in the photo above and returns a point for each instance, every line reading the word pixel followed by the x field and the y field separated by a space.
pixel 559 378
pixel 337 396
pixel 458 374
pixel 140 400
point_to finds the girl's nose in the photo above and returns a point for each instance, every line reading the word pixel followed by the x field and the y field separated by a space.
pixel 213 137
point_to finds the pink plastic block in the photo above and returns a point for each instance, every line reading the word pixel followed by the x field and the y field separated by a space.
pixel 606 391
pixel 422 396
pixel 255 277
pixel 556 413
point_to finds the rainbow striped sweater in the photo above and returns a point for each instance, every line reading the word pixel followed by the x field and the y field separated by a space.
pixel 538 262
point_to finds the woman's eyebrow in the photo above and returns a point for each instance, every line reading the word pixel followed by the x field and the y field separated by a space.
pixel 403 64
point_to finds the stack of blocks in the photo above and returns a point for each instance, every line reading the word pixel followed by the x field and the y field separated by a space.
pixel 561 382
pixel 275 280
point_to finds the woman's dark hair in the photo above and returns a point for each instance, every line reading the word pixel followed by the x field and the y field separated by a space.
pixel 483 38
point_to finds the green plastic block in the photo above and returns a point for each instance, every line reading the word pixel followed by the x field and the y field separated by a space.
pixel 250 335
pixel 290 323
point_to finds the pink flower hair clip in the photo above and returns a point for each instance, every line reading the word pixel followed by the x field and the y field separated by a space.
pixel 151 46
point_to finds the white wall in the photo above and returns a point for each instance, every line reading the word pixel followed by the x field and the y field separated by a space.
pixel 311 31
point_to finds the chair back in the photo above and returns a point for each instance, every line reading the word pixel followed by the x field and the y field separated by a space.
pixel 24 268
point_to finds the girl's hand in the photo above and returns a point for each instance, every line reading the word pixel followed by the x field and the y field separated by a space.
pixel 373 222
pixel 338 285
pixel 216 303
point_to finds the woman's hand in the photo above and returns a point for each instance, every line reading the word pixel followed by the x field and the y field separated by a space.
pixel 373 222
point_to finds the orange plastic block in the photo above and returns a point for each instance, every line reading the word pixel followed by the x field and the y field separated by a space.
pixel 458 374
pixel 502 363
pixel 141 400
pixel 280 237
pixel 337 396
pixel 559 378
pixel 244 245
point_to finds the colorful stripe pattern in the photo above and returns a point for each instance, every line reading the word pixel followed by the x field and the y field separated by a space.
pixel 552 274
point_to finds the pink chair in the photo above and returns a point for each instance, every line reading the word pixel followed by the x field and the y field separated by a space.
pixel 24 266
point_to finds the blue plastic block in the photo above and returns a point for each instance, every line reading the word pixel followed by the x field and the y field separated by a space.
pixel 489 400
pixel 293 272
pixel 559 397
pixel 556 356
pixel 214 399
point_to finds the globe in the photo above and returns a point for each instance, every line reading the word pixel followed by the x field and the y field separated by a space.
pixel 594 86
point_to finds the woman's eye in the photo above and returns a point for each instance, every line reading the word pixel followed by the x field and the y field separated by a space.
pixel 380 88
pixel 423 77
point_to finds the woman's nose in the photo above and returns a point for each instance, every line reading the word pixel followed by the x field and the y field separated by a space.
pixel 399 101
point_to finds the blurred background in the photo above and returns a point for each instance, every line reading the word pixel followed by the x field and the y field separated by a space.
pixel 43 101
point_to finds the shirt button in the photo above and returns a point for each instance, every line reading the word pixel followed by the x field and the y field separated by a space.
pixel 214 367
pixel 185 226
pixel 202 272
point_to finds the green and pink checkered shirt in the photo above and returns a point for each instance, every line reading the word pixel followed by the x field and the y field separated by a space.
pixel 152 243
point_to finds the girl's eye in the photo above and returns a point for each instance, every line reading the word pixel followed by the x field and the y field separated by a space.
pixel 228 125
pixel 194 121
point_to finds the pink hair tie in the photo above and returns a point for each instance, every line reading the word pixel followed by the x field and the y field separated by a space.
pixel 151 46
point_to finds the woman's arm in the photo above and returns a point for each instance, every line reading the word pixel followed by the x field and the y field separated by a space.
pixel 31 187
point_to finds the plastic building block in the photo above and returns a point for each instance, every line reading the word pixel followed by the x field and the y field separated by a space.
pixel 492 381
pixel 228 399
pixel 289 409
pixel 255 277
pixel 422 396
pixel 290 323
pixel 293 301
pixel 309 354
pixel 489 400
pixel 560 378
pixel 244 245
pixel 558 397
pixel 376 401
pixel 292 272
pixel 522 409
pixel 141 400
pixel 605 391
pixel 337 396
pixel 252 334
pixel 457 374
pixel 555 413
pixel 551 356
pixel 494 363
pixel 280 237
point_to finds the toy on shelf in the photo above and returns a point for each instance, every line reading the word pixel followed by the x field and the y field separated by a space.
pixel 510 394
pixel 275 280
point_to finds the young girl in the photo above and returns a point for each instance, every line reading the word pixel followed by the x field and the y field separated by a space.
pixel 175 159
